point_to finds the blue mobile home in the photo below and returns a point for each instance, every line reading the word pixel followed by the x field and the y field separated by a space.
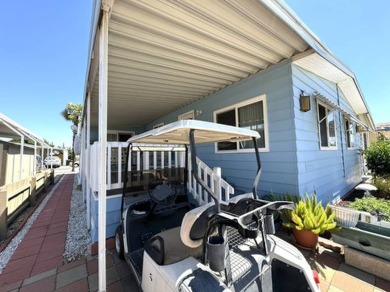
pixel 249 64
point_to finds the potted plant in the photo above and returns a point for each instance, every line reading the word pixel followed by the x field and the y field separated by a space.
pixel 308 220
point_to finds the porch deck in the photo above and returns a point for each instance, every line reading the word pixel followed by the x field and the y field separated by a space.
pixel 82 275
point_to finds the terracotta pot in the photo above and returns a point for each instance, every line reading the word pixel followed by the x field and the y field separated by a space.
pixel 306 238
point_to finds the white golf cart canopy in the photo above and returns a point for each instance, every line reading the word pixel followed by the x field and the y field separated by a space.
pixel 205 132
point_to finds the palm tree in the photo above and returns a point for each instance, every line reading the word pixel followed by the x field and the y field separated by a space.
pixel 72 112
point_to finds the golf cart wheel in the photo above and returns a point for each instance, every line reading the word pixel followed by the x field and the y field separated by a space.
pixel 119 242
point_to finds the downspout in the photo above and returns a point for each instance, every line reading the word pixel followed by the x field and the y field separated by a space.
pixel 341 131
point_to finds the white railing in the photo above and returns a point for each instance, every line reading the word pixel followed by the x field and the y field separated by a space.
pixel 116 158
pixel 212 178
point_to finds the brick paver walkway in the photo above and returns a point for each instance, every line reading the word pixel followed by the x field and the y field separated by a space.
pixel 44 244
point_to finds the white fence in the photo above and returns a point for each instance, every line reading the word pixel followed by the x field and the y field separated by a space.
pixel 152 159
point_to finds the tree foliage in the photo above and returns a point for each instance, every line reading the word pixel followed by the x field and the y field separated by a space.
pixel 378 157
pixel 72 112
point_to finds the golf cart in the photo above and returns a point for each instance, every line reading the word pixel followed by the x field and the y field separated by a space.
pixel 173 243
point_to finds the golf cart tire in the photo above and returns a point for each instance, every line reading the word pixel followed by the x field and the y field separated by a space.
pixel 119 242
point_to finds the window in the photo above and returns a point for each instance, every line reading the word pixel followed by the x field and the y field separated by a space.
pixel 350 133
pixel 113 136
pixel 187 116
pixel 250 115
pixel 159 125
pixel 364 140
pixel 327 127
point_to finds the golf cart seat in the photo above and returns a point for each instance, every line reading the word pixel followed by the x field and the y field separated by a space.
pixel 173 245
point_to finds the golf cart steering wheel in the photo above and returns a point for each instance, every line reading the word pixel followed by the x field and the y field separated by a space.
pixel 162 192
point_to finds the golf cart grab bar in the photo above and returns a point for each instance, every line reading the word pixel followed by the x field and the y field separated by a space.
pixel 194 169
pixel 245 223
pixel 211 192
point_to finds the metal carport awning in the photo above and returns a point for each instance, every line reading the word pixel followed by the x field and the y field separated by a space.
pixel 11 129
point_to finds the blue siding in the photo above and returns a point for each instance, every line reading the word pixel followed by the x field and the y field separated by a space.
pixel 279 164
pixel 112 216
pixel 294 163
pixel 331 173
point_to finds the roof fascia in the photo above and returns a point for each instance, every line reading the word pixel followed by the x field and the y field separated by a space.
pixel 288 16
pixel 20 128
pixel 95 19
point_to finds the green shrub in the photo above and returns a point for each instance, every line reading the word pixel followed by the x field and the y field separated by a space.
pixel 383 186
pixel 378 157
pixel 371 205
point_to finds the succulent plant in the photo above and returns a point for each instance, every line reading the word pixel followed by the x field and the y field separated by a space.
pixel 310 215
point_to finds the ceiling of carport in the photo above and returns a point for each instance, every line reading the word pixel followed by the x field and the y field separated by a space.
pixel 163 55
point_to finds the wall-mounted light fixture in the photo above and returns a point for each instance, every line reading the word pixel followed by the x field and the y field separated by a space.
pixel 304 101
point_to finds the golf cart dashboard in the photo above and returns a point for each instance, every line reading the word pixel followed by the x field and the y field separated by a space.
pixel 138 182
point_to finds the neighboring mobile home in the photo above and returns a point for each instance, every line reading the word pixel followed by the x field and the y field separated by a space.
pixel 19 160
pixel 251 64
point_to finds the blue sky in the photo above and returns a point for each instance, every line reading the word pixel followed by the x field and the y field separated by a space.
pixel 44 46
pixel 358 33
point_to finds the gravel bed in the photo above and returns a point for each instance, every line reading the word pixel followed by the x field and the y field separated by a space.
pixel 6 254
pixel 78 240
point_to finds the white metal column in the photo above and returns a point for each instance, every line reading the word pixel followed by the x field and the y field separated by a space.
pixel 35 159
pixel 103 79
pixel 88 164
pixel 42 154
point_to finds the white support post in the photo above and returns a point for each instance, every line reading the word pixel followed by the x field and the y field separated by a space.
pixel 82 157
pixel 103 80
pixel 43 154
pixel 146 160
pixel 109 159
pixel 130 160
pixel 87 161
pixel 21 156
pixel 35 158
pixel 138 160
pixel 119 166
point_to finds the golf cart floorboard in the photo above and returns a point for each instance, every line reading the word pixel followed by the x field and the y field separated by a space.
pixel 136 259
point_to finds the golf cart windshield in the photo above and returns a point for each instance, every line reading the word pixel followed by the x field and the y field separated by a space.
pixel 191 132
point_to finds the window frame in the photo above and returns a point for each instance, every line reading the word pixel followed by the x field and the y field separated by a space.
pixel 235 107
pixel 159 125
pixel 328 110
pixel 190 115
pixel 349 136
pixel 117 133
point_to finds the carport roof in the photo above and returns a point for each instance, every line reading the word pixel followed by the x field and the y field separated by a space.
pixel 11 129
pixel 164 55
